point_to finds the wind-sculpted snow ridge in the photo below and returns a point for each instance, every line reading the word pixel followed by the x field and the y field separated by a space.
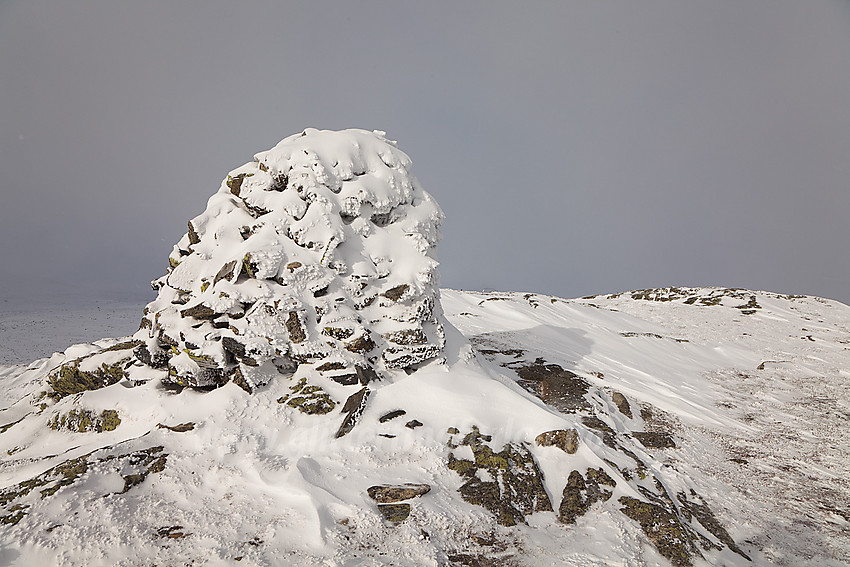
pixel 320 250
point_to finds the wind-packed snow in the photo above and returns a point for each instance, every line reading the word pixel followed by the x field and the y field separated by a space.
pixel 756 404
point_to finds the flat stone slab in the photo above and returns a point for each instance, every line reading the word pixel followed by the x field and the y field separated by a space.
pixel 386 493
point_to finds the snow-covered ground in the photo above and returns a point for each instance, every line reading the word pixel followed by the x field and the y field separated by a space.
pixel 746 391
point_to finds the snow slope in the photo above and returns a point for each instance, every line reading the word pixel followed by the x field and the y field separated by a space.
pixel 726 408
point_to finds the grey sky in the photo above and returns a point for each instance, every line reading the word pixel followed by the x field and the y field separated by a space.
pixel 575 147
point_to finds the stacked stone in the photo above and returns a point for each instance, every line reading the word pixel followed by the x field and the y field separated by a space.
pixel 320 251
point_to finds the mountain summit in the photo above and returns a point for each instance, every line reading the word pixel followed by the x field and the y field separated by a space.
pixel 302 393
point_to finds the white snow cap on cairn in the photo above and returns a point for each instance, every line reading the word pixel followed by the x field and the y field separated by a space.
pixel 322 250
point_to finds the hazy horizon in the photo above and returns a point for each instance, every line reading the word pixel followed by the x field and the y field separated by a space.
pixel 575 148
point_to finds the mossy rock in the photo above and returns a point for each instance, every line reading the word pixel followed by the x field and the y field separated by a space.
pixel 68 379
pixel 309 399
pixel 83 421
pixel 517 487
pixel 581 493
pixel 663 528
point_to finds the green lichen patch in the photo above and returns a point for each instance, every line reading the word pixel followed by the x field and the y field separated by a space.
pixel 663 528
pixel 68 379
pixel 308 399
pixel 581 492
pixel 83 421
pixel 513 487
pixel 14 515
pixel 146 462
pixel 15 500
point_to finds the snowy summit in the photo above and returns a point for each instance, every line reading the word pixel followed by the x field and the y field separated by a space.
pixel 301 392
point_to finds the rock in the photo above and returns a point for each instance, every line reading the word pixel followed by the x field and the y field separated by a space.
pixel 413 424
pixel 557 387
pixel 622 404
pixel 68 379
pixel 199 312
pixel 181 428
pixel 663 529
pixel 516 488
pixel 394 513
pixel 309 399
pixel 83 420
pixel 654 439
pixel 581 493
pixel 353 407
pixel 388 493
pixel 396 293
pixel 564 439
pixel 391 415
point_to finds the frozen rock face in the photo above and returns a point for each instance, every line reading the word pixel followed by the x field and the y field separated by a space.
pixel 320 251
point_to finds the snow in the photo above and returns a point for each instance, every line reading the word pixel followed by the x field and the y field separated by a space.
pixel 254 468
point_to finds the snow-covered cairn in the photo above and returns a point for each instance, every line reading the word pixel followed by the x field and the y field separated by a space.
pixel 320 251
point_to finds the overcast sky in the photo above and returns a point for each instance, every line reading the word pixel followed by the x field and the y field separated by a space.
pixel 576 147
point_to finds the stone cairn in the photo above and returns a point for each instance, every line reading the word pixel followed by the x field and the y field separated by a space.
pixel 320 251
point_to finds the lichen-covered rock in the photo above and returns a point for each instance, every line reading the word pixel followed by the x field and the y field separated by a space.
pixel 308 399
pixel 388 493
pixel 394 513
pixel 323 246
pixel 581 492
pixel 509 483
pixel 83 420
pixel 69 379
pixel 564 439
pixel 663 528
